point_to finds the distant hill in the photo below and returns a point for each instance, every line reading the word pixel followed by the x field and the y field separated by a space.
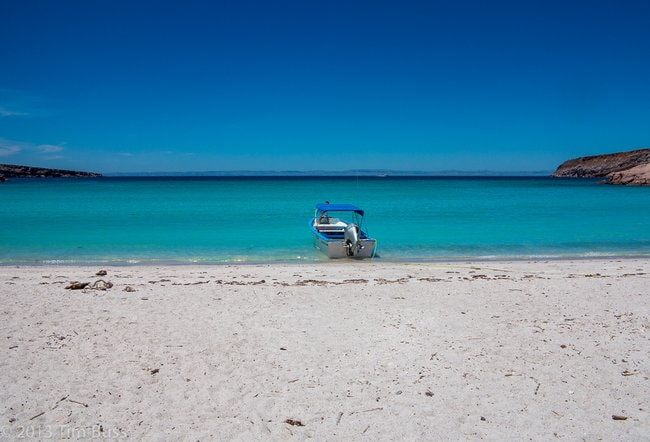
pixel 378 173
pixel 598 166
pixel 15 171
pixel 618 168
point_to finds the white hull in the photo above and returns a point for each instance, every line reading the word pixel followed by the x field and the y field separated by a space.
pixel 338 249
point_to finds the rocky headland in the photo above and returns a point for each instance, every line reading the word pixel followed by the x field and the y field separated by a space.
pixel 639 176
pixel 14 171
pixel 629 168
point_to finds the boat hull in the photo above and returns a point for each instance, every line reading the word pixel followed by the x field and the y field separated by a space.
pixel 336 247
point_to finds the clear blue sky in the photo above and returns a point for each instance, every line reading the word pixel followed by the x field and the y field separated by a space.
pixel 135 86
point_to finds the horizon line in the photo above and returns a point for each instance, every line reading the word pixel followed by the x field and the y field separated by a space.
pixel 328 173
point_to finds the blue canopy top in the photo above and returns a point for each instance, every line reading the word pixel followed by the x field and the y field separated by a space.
pixel 323 207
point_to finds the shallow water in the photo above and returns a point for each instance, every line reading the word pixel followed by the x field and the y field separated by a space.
pixel 264 219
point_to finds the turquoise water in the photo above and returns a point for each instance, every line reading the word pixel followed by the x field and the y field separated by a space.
pixel 224 220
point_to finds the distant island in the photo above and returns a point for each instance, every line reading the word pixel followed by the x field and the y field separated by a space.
pixel 628 168
pixel 14 171
pixel 351 173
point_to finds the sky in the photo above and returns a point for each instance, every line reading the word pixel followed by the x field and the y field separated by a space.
pixel 161 86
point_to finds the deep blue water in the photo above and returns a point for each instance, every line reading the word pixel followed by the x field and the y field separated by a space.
pixel 264 219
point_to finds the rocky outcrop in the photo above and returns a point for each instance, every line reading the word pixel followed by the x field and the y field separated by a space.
pixel 599 166
pixel 13 171
pixel 635 176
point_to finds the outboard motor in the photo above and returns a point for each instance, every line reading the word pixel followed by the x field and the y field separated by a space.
pixel 351 238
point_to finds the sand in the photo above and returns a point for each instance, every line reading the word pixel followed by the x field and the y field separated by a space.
pixel 333 351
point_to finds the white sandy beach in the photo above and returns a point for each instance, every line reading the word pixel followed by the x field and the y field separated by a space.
pixel 334 351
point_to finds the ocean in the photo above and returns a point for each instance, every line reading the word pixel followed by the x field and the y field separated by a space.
pixel 221 220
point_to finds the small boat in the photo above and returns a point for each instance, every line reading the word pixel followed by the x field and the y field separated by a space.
pixel 337 231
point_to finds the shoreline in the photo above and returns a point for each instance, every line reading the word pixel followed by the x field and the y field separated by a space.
pixel 321 261
pixel 349 350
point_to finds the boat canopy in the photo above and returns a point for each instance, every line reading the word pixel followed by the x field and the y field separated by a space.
pixel 323 207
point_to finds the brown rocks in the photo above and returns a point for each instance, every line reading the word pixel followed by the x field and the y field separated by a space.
pixel 599 166
pixel 629 168
pixel 635 176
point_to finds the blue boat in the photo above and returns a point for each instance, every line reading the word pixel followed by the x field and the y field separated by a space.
pixel 338 231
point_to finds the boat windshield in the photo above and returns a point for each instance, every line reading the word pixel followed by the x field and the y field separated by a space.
pixel 334 216
pixel 326 207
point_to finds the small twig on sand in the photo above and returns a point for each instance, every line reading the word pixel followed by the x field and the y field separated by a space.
pixel 64 398
pixel 38 415
pixel 59 401
pixel 77 402
pixel 366 411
